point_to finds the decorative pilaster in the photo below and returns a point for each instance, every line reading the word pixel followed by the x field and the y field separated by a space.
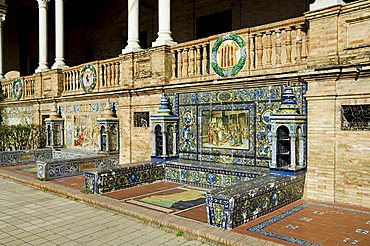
pixel 164 24
pixel 59 35
pixel 2 19
pixel 43 36
pixel 133 27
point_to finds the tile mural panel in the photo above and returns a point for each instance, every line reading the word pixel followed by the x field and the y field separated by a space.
pixel 81 128
pixel 230 126
pixel 18 115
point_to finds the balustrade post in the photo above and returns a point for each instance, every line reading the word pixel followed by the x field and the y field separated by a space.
pixel 180 64
pixel 205 59
pixel 185 63
pixel 111 73
pixel 198 60
pixel 288 44
pixel 173 63
pixel 259 50
pixel 252 53
pixel 278 46
pixel 268 48
pixel 305 42
pixel 116 64
pixel 191 61
pixel 298 44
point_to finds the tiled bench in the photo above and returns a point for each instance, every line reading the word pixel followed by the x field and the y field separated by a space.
pixel 23 157
pixel 103 180
pixel 237 204
pixel 66 167
pixel 238 195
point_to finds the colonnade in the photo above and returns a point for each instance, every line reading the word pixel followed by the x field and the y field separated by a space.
pixel 133 44
pixel 164 33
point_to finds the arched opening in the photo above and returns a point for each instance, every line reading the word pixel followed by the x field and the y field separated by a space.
pixel 49 135
pixel 158 140
pixel 283 147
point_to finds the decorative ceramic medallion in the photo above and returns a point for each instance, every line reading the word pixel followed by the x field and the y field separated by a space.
pixel 229 54
pixel 17 89
pixel 88 78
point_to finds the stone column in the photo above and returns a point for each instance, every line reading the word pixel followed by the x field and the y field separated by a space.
pixel 320 4
pixel 292 151
pixel 2 19
pixel 164 141
pixel 274 150
pixel 164 24
pixel 59 35
pixel 43 36
pixel 133 27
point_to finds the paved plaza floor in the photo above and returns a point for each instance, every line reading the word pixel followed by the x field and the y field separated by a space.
pixel 29 216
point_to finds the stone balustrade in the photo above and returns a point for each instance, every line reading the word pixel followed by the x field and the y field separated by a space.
pixel 190 59
pixel 110 73
pixel 71 81
pixel 283 43
pixel 27 88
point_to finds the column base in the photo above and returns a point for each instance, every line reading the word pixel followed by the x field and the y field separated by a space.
pixel 59 65
pixel 160 42
pixel 320 4
pixel 42 68
pixel 129 49
pixel 2 77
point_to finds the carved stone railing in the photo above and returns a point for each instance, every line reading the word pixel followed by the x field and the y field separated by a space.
pixel 7 89
pixel 280 45
pixel 283 43
pixel 28 88
pixel 108 76
pixel 71 79
pixel 110 73
pixel 190 59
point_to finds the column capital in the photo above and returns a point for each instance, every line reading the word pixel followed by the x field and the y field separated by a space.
pixel 43 3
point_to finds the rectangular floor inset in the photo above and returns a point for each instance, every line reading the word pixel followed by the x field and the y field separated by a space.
pixel 177 198
pixel 198 213
pixel 76 182
pixel 142 190
pixel 27 170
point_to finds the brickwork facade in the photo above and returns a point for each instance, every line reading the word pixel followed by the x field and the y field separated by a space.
pixel 329 50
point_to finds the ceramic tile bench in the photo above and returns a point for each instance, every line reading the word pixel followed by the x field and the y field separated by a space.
pixel 23 157
pixel 72 166
pixel 238 194
pixel 209 174
pixel 237 204
pixel 103 180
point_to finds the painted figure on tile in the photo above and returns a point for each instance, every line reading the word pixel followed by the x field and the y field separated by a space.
pixel 225 129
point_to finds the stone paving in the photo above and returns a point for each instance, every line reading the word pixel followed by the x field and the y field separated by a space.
pixel 29 216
